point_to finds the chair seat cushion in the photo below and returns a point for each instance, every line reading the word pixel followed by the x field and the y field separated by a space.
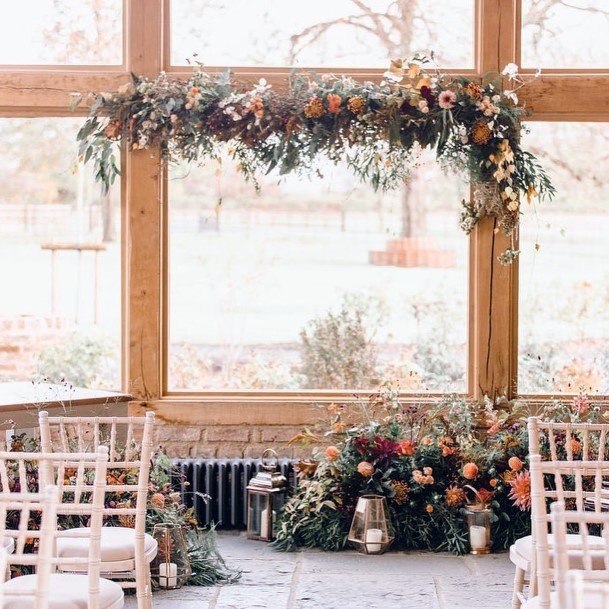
pixel 592 601
pixel 9 545
pixel 523 547
pixel 66 591
pixel 117 544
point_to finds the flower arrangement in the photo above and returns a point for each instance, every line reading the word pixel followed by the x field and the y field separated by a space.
pixel 375 129
pixel 427 461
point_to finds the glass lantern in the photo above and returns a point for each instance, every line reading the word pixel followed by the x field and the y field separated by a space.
pixel 170 569
pixel 369 531
pixel 266 495
pixel 478 524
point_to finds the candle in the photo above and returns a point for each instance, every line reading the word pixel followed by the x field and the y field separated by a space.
pixel 168 575
pixel 477 536
pixel 373 539
pixel 264 524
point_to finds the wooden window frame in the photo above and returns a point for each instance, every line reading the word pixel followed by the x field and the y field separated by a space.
pixel 33 91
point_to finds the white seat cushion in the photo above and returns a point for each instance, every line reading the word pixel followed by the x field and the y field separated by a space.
pixel 590 602
pixel 117 544
pixel 9 545
pixel 67 591
pixel 523 547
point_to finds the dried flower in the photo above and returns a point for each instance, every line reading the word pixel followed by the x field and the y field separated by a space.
pixel 521 490
pixel 314 108
pixel 113 130
pixel 365 469
pixel 332 453
pixel 515 464
pixel 402 491
pixel 158 500
pixel 481 133
pixel 581 405
pixel 473 90
pixel 454 496
pixel 356 104
pixel 470 471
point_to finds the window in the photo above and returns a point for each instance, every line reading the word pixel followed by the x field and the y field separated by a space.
pixel 60 306
pixel 315 284
pixel 564 285
pixel 337 34
pixel 62 32
pixel 565 34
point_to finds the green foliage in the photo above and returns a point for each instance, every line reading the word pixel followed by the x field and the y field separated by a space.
pixel 82 359
pixel 337 349
pixel 206 563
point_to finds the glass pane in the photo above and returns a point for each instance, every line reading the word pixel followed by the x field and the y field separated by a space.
pixel 558 34
pixel 564 285
pixel 341 33
pixel 315 284
pixel 60 306
pixel 62 32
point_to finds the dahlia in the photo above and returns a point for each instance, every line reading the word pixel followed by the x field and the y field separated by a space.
pixel 314 108
pixel 332 453
pixel 521 490
pixel 356 104
pixel 481 133
pixel 447 99
pixel 455 496
pixel 402 491
pixel 470 471
pixel 365 469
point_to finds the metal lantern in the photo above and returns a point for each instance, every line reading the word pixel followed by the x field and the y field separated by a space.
pixel 479 524
pixel 171 567
pixel 266 495
pixel 369 531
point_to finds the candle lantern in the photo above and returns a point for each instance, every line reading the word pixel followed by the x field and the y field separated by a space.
pixel 369 531
pixel 479 523
pixel 170 569
pixel 266 495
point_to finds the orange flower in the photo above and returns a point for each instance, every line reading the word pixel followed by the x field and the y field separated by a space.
pixel 429 509
pixel 576 446
pixel 158 500
pixel 407 448
pixel 426 441
pixel 515 464
pixel 470 471
pixel 338 427
pixel 493 482
pixel 334 102
pixel 194 91
pixel 332 453
pixel 365 469
pixel 521 490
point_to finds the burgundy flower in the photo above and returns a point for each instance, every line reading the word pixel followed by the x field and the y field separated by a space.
pixel 428 96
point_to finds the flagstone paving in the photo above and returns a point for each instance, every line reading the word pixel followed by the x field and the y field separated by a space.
pixel 319 580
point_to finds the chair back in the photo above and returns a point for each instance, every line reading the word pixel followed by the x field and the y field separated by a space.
pixel 129 441
pixel 583 587
pixel 576 484
pixel 568 441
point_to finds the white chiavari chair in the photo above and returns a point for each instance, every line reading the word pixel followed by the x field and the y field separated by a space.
pixel 126 551
pixel 577 484
pixel 79 494
pixel 584 587
pixel 560 442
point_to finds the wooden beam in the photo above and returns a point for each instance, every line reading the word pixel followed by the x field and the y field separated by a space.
pixel 143 200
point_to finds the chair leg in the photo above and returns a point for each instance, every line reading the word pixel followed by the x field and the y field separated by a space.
pixel 518 587
pixel 142 588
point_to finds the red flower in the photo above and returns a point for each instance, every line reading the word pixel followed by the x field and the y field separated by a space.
pixel 428 96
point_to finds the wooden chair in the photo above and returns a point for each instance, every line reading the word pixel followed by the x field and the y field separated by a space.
pixel 585 587
pixel 579 483
pixel 559 441
pixel 81 479
pixel 126 551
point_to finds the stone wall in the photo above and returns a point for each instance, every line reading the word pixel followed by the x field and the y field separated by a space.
pixel 22 338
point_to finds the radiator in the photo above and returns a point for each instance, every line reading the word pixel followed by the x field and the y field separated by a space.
pixel 224 481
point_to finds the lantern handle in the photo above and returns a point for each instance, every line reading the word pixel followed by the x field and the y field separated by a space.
pixel 269 467
pixel 483 503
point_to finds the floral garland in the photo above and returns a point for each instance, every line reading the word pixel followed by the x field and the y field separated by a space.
pixel 425 461
pixel 376 130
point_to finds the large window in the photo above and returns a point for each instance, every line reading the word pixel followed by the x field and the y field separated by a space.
pixel 315 284
pixel 60 251
pixel 337 34
pixel 62 32
pixel 564 285
pixel 565 34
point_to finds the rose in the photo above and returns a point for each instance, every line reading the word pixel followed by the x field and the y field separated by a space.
pixel 470 471
pixel 365 469
pixel 407 448
pixel 332 453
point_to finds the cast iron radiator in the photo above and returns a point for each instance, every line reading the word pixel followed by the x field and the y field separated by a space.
pixel 216 488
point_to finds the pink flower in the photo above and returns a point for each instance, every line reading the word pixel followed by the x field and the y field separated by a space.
pixel 447 99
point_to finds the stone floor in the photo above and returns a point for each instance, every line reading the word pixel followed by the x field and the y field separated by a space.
pixel 318 580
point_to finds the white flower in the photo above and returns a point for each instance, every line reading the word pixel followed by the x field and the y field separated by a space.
pixel 511 95
pixel 511 70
